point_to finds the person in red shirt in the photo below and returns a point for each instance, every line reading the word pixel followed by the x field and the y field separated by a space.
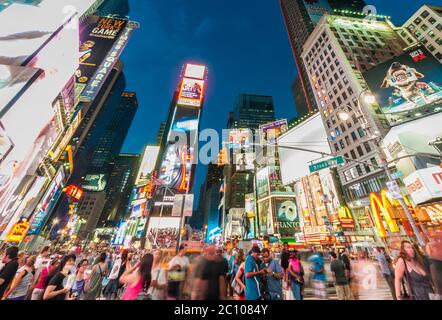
pixel 42 282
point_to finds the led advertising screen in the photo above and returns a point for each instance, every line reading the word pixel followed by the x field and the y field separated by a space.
pixel 94 182
pixel 287 217
pixel 97 40
pixel 138 208
pixel 195 71
pixel 47 203
pixel 311 135
pixel 270 132
pixel 407 87
pixel 240 139
pixel 191 92
pixel 184 126
pixel 147 164
pixel 177 167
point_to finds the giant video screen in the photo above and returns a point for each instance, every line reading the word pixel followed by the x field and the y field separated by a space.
pixel 407 87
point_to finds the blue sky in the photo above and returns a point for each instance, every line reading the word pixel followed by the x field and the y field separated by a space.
pixel 243 43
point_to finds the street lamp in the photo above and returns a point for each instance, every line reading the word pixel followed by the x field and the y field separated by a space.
pixel 343 115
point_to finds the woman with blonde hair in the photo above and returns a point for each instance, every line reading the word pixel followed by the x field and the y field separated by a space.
pixel 20 285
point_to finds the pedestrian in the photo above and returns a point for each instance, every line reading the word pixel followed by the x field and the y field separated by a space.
pixel 434 251
pixel 318 274
pixel 210 277
pixel 410 265
pixel 296 275
pixel 253 275
pixel 230 261
pixel 137 279
pixel 77 290
pixel 55 289
pixel 386 267
pixel 340 278
pixel 346 261
pixel 285 256
pixel 22 281
pixel 95 282
pixel 42 259
pixel 45 275
pixel 239 286
pixel 118 268
pixel 21 256
pixel 158 286
pixel 10 267
pixel 178 268
pixel 273 276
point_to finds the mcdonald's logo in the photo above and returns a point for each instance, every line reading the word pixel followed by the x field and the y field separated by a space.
pixel 382 206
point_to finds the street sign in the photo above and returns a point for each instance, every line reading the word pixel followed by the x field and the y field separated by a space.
pixel 326 164
pixel 394 189
pixel 397 175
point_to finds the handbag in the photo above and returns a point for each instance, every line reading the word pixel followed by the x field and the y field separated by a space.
pixel 405 295
pixel 236 287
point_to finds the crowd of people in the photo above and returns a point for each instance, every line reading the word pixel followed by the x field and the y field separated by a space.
pixel 216 274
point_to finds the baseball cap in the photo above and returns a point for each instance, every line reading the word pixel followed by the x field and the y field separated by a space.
pixel 256 249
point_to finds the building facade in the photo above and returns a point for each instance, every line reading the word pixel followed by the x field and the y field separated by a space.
pixel 337 53
pixel 425 26
pixel 301 17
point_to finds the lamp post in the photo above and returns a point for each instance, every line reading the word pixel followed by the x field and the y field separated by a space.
pixel 344 116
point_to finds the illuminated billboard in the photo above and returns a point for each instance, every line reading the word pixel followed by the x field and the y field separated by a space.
pixel 97 80
pixel 47 203
pixel 147 164
pixel 419 136
pixel 191 92
pixel 138 208
pixel 13 81
pixel 94 182
pixel 184 126
pixel 270 132
pixel 287 217
pixel 195 71
pixel 407 87
pixel 97 40
pixel 177 167
pixel 265 217
pixel 295 163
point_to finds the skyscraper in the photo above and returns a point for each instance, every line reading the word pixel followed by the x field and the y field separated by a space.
pixel 251 111
pixel 299 98
pixel 119 188
pixel 301 17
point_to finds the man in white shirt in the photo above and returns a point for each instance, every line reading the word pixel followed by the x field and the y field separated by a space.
pixel 178 267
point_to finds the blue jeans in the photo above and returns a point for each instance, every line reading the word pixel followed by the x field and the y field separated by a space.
pixel 296 289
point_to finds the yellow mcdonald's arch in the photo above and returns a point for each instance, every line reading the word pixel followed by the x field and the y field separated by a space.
pixel 379 206
pixel 344 213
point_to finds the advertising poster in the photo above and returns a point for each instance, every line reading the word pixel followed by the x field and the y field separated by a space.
pixel 262 183
pixel 191 92
pixel 275 182
pixel 138 208
pixel 195 71
pixel 250 207
pixel 287 217
pixel 47 203
pixel 94 182
pixel 97 39
pixel 407 87
pixel 265 218
pixel 120 235
pixel 269 133
pixel 419 136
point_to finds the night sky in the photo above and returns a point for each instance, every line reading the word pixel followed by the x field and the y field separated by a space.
pixel 243 42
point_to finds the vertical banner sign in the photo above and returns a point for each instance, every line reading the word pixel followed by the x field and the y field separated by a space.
pixel 97 39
